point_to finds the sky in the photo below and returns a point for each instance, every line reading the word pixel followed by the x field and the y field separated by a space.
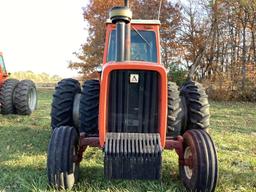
pixel 41 35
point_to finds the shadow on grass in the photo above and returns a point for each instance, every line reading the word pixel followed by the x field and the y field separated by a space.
pixel 92 179
pixel 23 178
pixel 92 175
pixel 21 140
pixel 33 178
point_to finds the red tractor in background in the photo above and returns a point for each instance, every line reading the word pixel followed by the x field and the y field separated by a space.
pixel 16 97
pixel 131 112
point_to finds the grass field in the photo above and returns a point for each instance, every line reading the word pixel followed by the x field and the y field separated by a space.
pixel 24 141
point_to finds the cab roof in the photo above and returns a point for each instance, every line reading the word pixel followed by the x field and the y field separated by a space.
pixel 140 21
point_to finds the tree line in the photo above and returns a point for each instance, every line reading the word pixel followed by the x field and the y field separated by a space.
pixel 36 77
pixel 212 41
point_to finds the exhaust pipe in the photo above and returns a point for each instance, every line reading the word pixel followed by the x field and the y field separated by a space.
pixel 126 3
pixel 120 41
pixel 121 16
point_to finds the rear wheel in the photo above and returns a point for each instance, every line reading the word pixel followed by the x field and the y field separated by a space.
pixel 174 110
pixel 25 97
pixel 89 107
pixel 63 103
pixel 61 166
pixel 7 96
pixel 195 106
pixel 199 150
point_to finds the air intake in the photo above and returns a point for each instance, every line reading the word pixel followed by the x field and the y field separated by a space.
pixel 133 103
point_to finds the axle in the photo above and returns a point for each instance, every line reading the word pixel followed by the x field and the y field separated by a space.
pixel 171 144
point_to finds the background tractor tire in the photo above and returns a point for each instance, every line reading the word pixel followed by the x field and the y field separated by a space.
pixel 202 175
pixel 174 110
pixel 89 107
pixel 25 97
pixel 7 95
pixel 62 170
pixel 62 103
pixel 195 106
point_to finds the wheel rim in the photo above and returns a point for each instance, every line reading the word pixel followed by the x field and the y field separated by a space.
pixel 74 163
pixel 71 176
pixel 76 105
pixel 187 169
pixel 32 99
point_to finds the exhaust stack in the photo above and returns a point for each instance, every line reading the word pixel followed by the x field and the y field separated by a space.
pixel 126 3
pixel 121 16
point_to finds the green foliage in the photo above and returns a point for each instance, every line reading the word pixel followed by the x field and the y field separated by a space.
pixel 177 75
pixel 24 141
pixel 36 77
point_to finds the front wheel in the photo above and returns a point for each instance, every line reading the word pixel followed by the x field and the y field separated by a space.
pixel 202 172
pixel 62 167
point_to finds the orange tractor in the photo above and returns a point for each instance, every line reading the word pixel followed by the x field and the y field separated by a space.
pixel 16 97
pixel 132 113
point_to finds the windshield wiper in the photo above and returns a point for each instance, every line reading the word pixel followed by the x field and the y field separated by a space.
pixel 141 36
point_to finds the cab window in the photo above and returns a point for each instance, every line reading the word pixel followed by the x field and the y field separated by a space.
pixel 143 46
pixel 2 64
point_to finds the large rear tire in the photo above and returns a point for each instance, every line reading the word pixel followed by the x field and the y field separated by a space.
pixel 89 107
pixel 25 97
pixel 199 150
pixel 7 96
pixel 195 106
pixel 174 110
pixel 63 101
pixel 61 166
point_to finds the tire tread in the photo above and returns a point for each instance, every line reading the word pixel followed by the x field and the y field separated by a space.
pixel 196 101
pixel 60 157
pixel 6 96
pixel 21 97
pixel 89 107
pixel 62 103
pixel 207 164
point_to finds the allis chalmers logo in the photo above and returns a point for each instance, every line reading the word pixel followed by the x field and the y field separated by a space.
pixel 134 78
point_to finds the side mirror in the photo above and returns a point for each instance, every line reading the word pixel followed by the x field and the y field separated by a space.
pixel 99 69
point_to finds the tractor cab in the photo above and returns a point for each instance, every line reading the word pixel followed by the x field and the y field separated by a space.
pixel 3 72
pixel 144 41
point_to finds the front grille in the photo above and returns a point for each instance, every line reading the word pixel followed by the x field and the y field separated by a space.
pixel 133 107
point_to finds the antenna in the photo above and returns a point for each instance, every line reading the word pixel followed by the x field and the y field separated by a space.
pixel 159 11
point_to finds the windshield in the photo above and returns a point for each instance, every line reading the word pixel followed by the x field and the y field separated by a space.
pixel 143 46
pixel 2 64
